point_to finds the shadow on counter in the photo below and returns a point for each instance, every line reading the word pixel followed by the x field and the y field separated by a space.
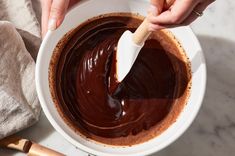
pixel 213 131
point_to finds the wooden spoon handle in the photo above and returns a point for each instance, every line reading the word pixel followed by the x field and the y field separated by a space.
pixel 142 33
pixel 15 142
pixel 38 150
pixel 27 146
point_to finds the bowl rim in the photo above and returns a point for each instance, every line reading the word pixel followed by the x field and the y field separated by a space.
pixel 59 129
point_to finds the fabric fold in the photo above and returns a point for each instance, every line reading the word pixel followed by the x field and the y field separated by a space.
pixel 19 44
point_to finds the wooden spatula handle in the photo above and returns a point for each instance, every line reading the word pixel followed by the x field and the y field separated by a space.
pixel 27 146
pixel 142 33
pixel 15 142
pixel 38 150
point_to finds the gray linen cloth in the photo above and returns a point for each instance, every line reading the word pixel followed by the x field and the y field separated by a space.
pixel 19 43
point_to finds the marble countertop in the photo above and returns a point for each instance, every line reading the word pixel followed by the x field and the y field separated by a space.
pixel 213 131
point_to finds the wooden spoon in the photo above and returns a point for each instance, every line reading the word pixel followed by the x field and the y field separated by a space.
pixel 27 146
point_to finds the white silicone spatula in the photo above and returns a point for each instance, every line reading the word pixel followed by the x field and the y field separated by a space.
pixel 128 48
pixel 130 44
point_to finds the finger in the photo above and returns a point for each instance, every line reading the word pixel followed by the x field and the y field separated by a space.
pixel 156 6
pixel 57 13
pixel 155 27
pixel 176 13
pixel 154 10
pixel 168 4
pixel 199 8
pixel 46 5
pixel 72 3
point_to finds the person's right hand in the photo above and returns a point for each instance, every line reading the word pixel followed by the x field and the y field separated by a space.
pixel 171 13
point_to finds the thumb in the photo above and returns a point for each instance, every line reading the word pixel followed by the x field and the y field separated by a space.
pixel 156 6
pixel 168 4
pixel 57 13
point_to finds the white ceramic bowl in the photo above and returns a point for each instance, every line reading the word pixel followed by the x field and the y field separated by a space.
pixel 88 9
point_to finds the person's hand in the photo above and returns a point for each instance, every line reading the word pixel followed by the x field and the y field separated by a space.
pixel 53 12
pixel 171 13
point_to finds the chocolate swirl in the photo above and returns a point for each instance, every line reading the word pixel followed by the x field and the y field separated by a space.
pixel 84 78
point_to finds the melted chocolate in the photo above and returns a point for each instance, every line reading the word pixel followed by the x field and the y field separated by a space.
pixel 84 79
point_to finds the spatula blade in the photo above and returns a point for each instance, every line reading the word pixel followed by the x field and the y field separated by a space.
pixel 127 52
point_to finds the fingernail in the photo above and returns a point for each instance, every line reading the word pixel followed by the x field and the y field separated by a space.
pixel 52 24
pixel 154 10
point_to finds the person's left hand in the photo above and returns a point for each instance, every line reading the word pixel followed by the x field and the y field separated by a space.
pixel 53 12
